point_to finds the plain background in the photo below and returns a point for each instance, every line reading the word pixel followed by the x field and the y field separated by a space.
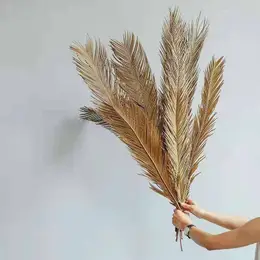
pixel 69 189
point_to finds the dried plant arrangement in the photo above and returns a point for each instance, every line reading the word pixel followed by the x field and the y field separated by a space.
pixel 155 122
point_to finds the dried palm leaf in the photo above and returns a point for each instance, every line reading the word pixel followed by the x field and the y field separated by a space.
pixel 176 111
pixel 188 40
pixel 133 70
pixel 206 116
pixel 197 33
pixel 125 118
pixel 156 125
pixel 173 30
pixel 90 114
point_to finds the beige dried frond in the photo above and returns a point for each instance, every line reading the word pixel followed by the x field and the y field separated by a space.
pixel 204 121
pixel 173 36
pixel 189 40
pixel 124 116
pixel 95 69
pixel 180 50
pixel 176 105
pixel 174 44
pixel 90 114
pixel 197 33
pixel 144 141
pixel 133 70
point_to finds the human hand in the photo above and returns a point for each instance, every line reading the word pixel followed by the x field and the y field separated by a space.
pixel 181 220
pixel 193 208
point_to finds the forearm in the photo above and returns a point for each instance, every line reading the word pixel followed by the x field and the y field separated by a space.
pixel 201 238
pixel 243 236
pixel 227 222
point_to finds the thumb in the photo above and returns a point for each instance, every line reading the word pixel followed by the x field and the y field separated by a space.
pixel 190 202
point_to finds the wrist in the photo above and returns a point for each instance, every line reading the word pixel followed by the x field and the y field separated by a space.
pixel 201 214
pixel 186 224
pixel 188 229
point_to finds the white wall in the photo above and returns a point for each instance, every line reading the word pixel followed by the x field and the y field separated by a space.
pixel 70 190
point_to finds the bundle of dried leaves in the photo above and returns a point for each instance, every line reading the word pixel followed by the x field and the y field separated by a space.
pixel 156 123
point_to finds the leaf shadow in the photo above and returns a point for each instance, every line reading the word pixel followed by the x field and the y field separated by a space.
pixel 66 137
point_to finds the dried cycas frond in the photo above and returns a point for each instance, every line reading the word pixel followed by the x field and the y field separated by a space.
pixel 124 116
pixel 90 114
pixel 134 73
pixel 205 118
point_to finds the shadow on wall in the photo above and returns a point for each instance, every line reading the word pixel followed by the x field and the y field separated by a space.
pixel 66 137
pixel 93 195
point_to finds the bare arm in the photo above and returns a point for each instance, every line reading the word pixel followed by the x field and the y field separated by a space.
pixel 228 222
pixel 243 236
